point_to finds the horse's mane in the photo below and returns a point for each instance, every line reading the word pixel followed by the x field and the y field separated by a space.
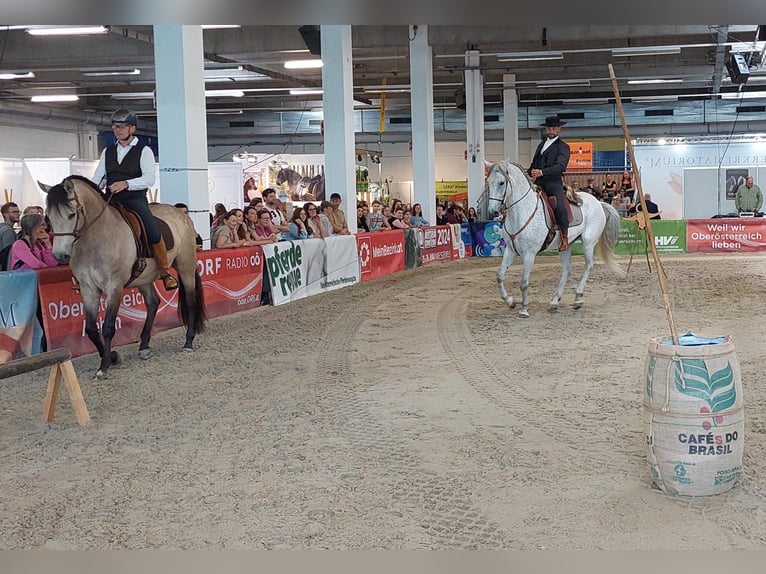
pixel 58 197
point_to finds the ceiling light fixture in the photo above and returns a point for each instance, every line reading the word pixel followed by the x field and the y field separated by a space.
pixel 646 51
pixel 530 56
pixel 67 30
pixel 217 26
pixel 303 64
pixel 55 98
pixel 114 72
pixel 653 99
pixel 744 95
pixel 571 101
pixel 563 83
pixel 306 92
pixel 16 75
pixel 224 93
pixel 657 81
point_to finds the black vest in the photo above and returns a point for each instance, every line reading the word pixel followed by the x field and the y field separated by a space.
pixel 130 168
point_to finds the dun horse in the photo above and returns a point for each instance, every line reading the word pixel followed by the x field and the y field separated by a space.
pixel 98 244
pixel 525 230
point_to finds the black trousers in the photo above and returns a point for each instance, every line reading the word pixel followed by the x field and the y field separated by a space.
pixel 557 189
pixel 136 201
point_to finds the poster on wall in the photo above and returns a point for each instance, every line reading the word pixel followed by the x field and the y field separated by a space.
pixel 580 157
pixel 734 178
pixel 298 177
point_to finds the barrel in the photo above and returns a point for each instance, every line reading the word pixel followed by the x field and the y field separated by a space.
pixel 694 415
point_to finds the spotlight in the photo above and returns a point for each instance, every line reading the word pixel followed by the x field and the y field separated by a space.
pixel 359 158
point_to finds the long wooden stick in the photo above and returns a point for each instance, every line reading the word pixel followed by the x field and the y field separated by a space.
pixel 649 231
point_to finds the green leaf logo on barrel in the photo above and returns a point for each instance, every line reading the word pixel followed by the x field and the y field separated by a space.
pixel 650 375
pixel 717 389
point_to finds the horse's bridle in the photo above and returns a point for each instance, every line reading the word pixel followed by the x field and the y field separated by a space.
pixel 80 212
pixel 513 236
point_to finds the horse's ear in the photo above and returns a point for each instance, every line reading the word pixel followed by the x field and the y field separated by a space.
pixel 488 164
pixel 68 185
pixel 45 188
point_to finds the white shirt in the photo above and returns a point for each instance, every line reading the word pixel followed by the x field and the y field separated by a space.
pixel 148 175
pixel 548 143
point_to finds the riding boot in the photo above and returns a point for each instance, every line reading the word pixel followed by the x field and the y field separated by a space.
pixel 161 257
pixel 564 245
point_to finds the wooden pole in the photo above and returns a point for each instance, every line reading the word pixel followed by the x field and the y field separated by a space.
pixel 639 190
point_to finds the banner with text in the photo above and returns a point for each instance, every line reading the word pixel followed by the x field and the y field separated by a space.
pixel 298 269
pixel 18 309
pixel 669 237
pixel 435 244
pixel 725 235
pixel 380 253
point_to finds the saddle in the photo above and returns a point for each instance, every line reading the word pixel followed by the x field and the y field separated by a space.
pixel 573 209
pixel 143 249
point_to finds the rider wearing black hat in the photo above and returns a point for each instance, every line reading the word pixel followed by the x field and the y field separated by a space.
pixel 127 170
pixel 548 165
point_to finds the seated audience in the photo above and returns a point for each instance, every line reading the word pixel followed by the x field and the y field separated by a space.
pixel 441 216
pixel 263 230
pixel 225 236
pixel 325 212
pixel 33 248
pixel 375 219
pixel 397 220
pixel 417 219
pixel 313 222
pixel 361 221
pixel 296 227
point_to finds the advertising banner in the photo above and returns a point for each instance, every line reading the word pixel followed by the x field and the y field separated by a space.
pixel 581 156
pixel 487 238
pixel 298 269
pixel 231 281
pixel 458 247
pixel 411 249
pixel 669 237
pixel 435 244
pixel 380 253
pixel 725 235
pixel 18 309
pixel 467 238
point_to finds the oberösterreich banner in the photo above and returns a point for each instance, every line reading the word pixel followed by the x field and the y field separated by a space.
pixel 725 235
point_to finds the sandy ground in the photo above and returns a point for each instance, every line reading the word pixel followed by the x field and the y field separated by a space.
pixel 415 411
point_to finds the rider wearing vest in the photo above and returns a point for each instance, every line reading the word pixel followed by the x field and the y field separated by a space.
pixel 127 169
pixel 548 165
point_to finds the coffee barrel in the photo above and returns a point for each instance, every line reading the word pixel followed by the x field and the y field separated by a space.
pixel 694 415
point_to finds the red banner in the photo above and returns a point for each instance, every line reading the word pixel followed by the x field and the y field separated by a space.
pixel 435 244
pixel 231 280
pixel 380 253
pixel 736 235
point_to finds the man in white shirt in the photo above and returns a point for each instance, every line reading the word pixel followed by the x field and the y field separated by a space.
pixel 278 222
pixel 126 171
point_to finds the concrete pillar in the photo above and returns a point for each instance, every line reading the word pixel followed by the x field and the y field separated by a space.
pixel 474 124
pixel 182 121
pixel 422 112
pixel 510 118
pixel 338 102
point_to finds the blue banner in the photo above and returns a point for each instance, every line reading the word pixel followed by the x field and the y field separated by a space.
pixel 487 238
pixel 19 329
pixel 467 237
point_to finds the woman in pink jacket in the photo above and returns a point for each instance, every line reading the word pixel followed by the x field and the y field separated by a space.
pixel 33 249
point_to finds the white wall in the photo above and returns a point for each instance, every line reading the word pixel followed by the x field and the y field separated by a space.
pixel 19 142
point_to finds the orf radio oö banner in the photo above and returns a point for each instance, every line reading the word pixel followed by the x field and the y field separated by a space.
pixel 725 235
pixel 18 307
pixel 435 244
pixel 380 253
pixel 298 269
pixel 231 279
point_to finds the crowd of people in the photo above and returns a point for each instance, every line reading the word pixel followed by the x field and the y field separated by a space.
pixel 622 195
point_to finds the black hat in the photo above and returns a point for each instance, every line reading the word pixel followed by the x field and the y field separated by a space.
pixel 552 122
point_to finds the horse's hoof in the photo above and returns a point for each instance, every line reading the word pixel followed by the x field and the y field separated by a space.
pixel 577 305
pixel 510 302
pixel 115 358
pixel 524 314
pixel 553 308
pixel 187 350
pixel 101 375
pixel 144 354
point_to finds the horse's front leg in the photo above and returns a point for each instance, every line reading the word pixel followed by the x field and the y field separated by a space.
pixel 566 270
pixel 108 330
pixel 508 256
pixel 580 291
pixel 528 261
pixel 91 298
pixel 152 302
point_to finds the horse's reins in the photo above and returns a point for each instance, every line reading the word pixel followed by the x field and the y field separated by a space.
pixel 77 232
pixel 513 236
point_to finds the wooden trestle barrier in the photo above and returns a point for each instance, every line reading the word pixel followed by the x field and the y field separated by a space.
pixel 60 361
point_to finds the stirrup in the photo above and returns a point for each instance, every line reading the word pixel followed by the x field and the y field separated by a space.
pixel 169 282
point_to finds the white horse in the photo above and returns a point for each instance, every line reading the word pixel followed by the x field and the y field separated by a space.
pixel 525 230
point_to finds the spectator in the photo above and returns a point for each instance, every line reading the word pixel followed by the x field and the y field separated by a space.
pixel 361 220
pixel 375 219
pixel 278 223
pixel 242 231
pixel 406 218
pixel 591 188
pixel 395 205
pixel 627 187
pixel 225 236
pixel 251 219
pixel 455 215
pixel 313 223
pixel 417 219
pixel 326 210
pixel 441 217
pixel 608 189
pixel 296 228
pixel 263 230
pixel 217 218
pixel 337 217
pixel 748 198
pixel 397 220
pixel 33 249
pixel 185 210
pixel 256 202
pixel 11 213
pixel 471 215
pixel 651 207
pixel 619 205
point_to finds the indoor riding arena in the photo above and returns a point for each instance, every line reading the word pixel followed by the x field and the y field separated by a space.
pixel 412 412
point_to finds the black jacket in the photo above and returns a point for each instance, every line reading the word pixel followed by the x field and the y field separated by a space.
pixel 553 162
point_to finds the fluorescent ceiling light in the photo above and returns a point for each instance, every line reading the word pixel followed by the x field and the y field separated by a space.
pixel 224 93
pixel 302 64
pixel 67 30
pixel 585 101
pixel 646 51
pixel 216 26
pixel 225 113
pixel 237 74
pixel 16 75
pixel 657 81
pixel 563 83
pixel 113 72
pixel 133 96
pixel 653 99
pixel 530 56
pixel 744 95
pixel 387 89
pixel 55 98
pixel 305 92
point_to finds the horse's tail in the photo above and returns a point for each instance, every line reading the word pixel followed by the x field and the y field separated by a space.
pixel 196 305
pixel 608 239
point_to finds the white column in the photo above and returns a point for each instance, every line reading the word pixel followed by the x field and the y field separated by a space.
pixel 510 119
pixel 338 102
pixel 474 124
pixel 182 121
pixel 422 112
